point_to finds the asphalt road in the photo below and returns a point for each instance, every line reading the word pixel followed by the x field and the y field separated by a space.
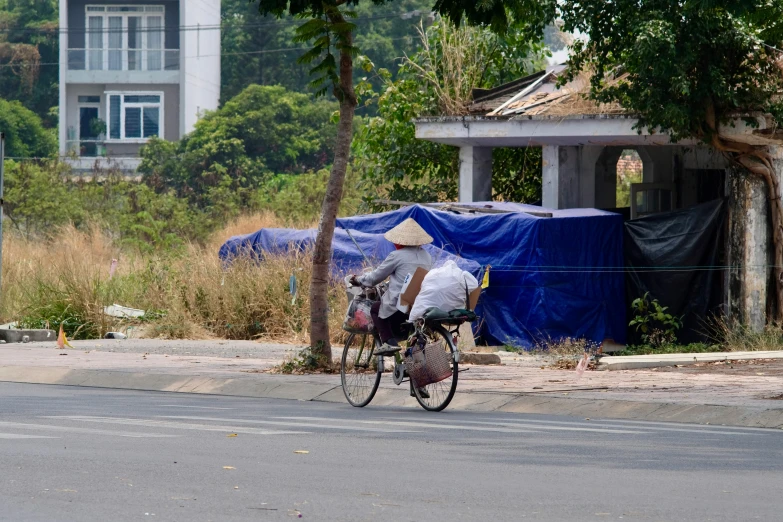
pixel 79 454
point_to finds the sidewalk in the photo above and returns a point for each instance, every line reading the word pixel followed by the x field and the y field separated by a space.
pixel 710 393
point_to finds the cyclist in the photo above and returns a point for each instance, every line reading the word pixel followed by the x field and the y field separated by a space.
pixel 408 238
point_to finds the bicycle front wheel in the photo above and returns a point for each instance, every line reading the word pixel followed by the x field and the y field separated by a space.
pixel 437 396
pixel 359 372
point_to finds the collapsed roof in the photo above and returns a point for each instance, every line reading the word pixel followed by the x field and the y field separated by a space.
pixel 538 94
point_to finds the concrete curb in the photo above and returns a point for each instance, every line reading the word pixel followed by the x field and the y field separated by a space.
pixel 306 389
pixel 632 362
pixel 33 336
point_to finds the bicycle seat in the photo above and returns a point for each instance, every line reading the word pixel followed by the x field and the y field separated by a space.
pixel 437 316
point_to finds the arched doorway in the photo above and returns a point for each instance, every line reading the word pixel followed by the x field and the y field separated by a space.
pixel 629 170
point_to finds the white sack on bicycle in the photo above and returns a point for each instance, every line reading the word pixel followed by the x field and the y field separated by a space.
pixel 446 288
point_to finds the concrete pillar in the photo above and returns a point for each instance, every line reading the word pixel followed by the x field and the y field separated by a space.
pixel 560 177
pixel 475 174
pixel 749 250
pixel 588 158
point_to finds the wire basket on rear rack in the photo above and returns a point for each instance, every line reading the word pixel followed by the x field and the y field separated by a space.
pixel 429 364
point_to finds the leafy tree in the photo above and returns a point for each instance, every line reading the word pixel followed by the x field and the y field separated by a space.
pixel 331 32
pixel 254 48
pixel 393 164
pixel 297 198
pixel 29 38
pixel 25 135
pixel 262 131
pixel 37 200
pixel 687 69
pixel 155 221
pixel 243 35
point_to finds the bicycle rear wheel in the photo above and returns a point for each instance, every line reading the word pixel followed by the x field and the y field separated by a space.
pixel 359 372
pixel 440 393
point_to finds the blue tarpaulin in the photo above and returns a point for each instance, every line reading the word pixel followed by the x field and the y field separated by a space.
pixel 551 277
pixel 346 257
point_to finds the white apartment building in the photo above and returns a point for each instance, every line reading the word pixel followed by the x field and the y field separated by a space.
pixel 134 69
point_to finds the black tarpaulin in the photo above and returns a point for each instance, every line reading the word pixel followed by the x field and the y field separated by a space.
pixel 677 257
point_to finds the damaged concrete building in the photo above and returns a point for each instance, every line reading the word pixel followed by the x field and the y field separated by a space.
pixel 582 142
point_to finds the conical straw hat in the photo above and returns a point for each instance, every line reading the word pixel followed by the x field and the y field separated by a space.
pixel 408 233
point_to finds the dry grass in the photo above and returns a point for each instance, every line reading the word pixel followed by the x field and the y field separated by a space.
pixel 453 64
pixel 565 353
pixel 740 338
pixel 576 101
pixel 187 295
pixel 566 347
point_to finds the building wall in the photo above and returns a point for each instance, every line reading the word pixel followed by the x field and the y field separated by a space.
pixel 199 60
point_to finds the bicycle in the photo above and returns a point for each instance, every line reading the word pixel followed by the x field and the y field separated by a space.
pixel 360 371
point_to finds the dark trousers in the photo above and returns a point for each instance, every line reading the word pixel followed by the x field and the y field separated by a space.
pixel 386 328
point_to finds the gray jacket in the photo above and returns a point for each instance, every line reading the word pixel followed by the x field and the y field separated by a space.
pixel 396 267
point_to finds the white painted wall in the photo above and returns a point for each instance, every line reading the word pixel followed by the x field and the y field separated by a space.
pixel 63 113
pixel 199 60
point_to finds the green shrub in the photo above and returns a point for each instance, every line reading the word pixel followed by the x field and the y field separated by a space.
pixel 25 135
pixel 657 327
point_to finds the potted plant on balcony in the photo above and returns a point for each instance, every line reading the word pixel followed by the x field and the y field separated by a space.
pixel 98 129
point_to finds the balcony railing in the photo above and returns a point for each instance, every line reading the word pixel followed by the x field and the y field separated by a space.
pixel 123 59
pixel 86 148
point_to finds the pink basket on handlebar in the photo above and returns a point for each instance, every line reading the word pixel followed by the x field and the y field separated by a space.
pixel 358 319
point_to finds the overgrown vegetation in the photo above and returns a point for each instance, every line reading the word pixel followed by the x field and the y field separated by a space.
pixel 42 197
pixel 233 151
pixel 188 294
pixel 25 135
pixel 29 38
pixel 739 338
pixel 438 80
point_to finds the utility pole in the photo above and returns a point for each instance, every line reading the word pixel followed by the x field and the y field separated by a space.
pixel 2 182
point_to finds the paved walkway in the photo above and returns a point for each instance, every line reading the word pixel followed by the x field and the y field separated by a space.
pixel 711 393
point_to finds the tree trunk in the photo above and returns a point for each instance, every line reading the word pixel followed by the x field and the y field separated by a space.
pixel 322 254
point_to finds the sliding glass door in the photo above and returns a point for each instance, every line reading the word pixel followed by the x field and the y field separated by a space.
pixel 125 38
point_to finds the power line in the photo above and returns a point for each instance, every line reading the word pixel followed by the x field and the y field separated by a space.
pixel 265 51
pixel 211 27
pixel 238 53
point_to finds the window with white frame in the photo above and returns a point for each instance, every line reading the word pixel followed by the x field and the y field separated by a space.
pixel 134 115
pixel 125 37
